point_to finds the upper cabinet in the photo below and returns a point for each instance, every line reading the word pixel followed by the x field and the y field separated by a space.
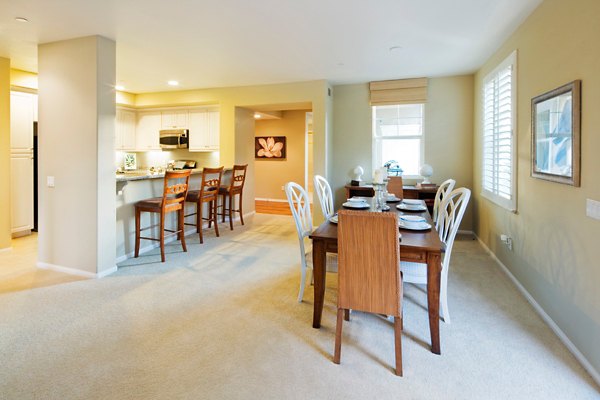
pixel 174 119
pixel 138 130
pixel 204 130
pixel 147 130
pixel 22 112
pixel 125 130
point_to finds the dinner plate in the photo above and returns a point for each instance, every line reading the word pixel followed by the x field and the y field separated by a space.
pixel 393 199
pixel 423 226
pixel 411 207
pixel 357 205
pixel 412 201
pixel 334 219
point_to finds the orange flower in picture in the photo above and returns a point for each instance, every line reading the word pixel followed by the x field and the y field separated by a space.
pixel 270 147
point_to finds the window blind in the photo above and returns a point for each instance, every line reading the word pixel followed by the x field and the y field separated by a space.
pixel 498 144
pixel 401 91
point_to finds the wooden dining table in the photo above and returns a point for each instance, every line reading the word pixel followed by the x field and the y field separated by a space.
pixel 417 246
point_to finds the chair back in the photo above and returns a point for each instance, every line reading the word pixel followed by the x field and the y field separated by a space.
pixel 238 177
pixel 451 213
pixel 446 187
pixel 300 206
pixel 325 195
pixel 175 188
pixel 211 181
pixel 369 262
pixel 395 186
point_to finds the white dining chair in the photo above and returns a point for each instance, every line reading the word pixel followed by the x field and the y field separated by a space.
pixel 325 196
pixel 451 213
pixel 446 187
pixel 300 206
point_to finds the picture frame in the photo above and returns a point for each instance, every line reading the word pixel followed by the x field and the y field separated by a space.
pixel 270 148
pixel 556 134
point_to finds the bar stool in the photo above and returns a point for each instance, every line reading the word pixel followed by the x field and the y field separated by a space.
pixel 228 193
pixel 208 193
pixel 172 200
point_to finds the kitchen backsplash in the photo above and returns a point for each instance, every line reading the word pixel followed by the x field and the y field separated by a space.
pixel 147 159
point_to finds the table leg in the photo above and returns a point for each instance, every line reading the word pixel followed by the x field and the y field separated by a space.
pixel 434 269
pixel 319 260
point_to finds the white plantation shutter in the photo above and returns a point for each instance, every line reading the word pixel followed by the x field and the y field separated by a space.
pixel 499 118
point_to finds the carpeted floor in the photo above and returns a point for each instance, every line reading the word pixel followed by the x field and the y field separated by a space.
pixel 222 322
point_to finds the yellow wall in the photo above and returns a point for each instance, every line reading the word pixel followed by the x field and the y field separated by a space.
pixel 23 79
pixel 271 175
pixel 448 133
pixel 228 99
pixel 556 254
pixel 5 215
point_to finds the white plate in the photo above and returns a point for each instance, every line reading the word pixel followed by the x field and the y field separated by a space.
pixel 392 199
pixel 334 219
pixel 356 200
pixel 412 218
pixel 423 226
pixel 412 201
pixel 354 204
pixel 411 207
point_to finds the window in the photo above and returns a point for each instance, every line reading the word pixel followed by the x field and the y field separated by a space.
pixel 398 135
pixel 499 118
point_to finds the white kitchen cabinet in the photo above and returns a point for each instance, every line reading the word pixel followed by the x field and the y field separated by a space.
pixel 147 130
pixel 125 130
pixel 22 112
pixel 174 119
pixel 21 192
pixel 204 130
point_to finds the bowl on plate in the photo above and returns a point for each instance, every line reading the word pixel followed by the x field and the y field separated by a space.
pixel 356 200
pixel 412 221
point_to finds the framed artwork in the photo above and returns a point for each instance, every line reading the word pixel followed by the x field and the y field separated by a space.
pixel 269 148
pixel 556 134
pixel 130 162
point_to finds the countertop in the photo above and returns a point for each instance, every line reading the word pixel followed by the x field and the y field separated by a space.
pixel 140 175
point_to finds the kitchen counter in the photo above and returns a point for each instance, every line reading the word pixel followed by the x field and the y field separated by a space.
pixel 140 175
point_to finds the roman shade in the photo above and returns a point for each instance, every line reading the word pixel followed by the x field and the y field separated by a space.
pixel 401 91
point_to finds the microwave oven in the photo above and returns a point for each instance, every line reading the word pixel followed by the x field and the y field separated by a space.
pixel 174 139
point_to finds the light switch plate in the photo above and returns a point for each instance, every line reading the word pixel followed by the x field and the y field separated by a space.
pixel 592 208
pixel 50 181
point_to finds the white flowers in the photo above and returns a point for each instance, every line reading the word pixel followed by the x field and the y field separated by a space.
pixel 270 148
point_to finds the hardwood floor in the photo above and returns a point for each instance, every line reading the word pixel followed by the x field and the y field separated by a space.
pixel 280 207
pixel 18 270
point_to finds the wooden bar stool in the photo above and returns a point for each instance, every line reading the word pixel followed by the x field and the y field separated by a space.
pixel 228 193
pixel 172 200
pixel 208 193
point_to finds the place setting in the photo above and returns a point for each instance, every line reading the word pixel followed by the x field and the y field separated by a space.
pixel 413 223
pixel 411 205
pixel 357 203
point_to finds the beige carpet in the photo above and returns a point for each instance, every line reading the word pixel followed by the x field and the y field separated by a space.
pixel 222 322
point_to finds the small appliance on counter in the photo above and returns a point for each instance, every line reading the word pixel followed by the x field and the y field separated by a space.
pixel 184 164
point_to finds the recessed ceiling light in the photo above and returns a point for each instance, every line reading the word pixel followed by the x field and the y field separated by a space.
pixel 120 87
pixel 173 83
pixel 256 116
pixel 21 19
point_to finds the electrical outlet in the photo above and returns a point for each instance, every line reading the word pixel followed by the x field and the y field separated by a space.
pixel 50 181
pixel 592 208
pixel 507 240
pixel 282 188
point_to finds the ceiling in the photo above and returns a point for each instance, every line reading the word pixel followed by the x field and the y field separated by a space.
pixel 223 43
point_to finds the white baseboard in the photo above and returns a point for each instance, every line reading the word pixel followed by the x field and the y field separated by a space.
pixel 5 249
pixel 549 321
pixel 77 272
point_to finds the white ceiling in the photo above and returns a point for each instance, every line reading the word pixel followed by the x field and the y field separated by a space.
pixel 222 43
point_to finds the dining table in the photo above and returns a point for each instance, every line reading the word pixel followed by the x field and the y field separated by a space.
pixel 423 246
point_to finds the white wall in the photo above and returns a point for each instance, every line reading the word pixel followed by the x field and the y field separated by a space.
pixel 76 147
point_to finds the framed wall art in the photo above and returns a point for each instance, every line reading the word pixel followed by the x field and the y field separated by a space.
pixel 269 148
pixel 556 134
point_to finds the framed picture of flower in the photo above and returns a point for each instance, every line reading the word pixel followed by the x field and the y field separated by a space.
pixel 269 148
